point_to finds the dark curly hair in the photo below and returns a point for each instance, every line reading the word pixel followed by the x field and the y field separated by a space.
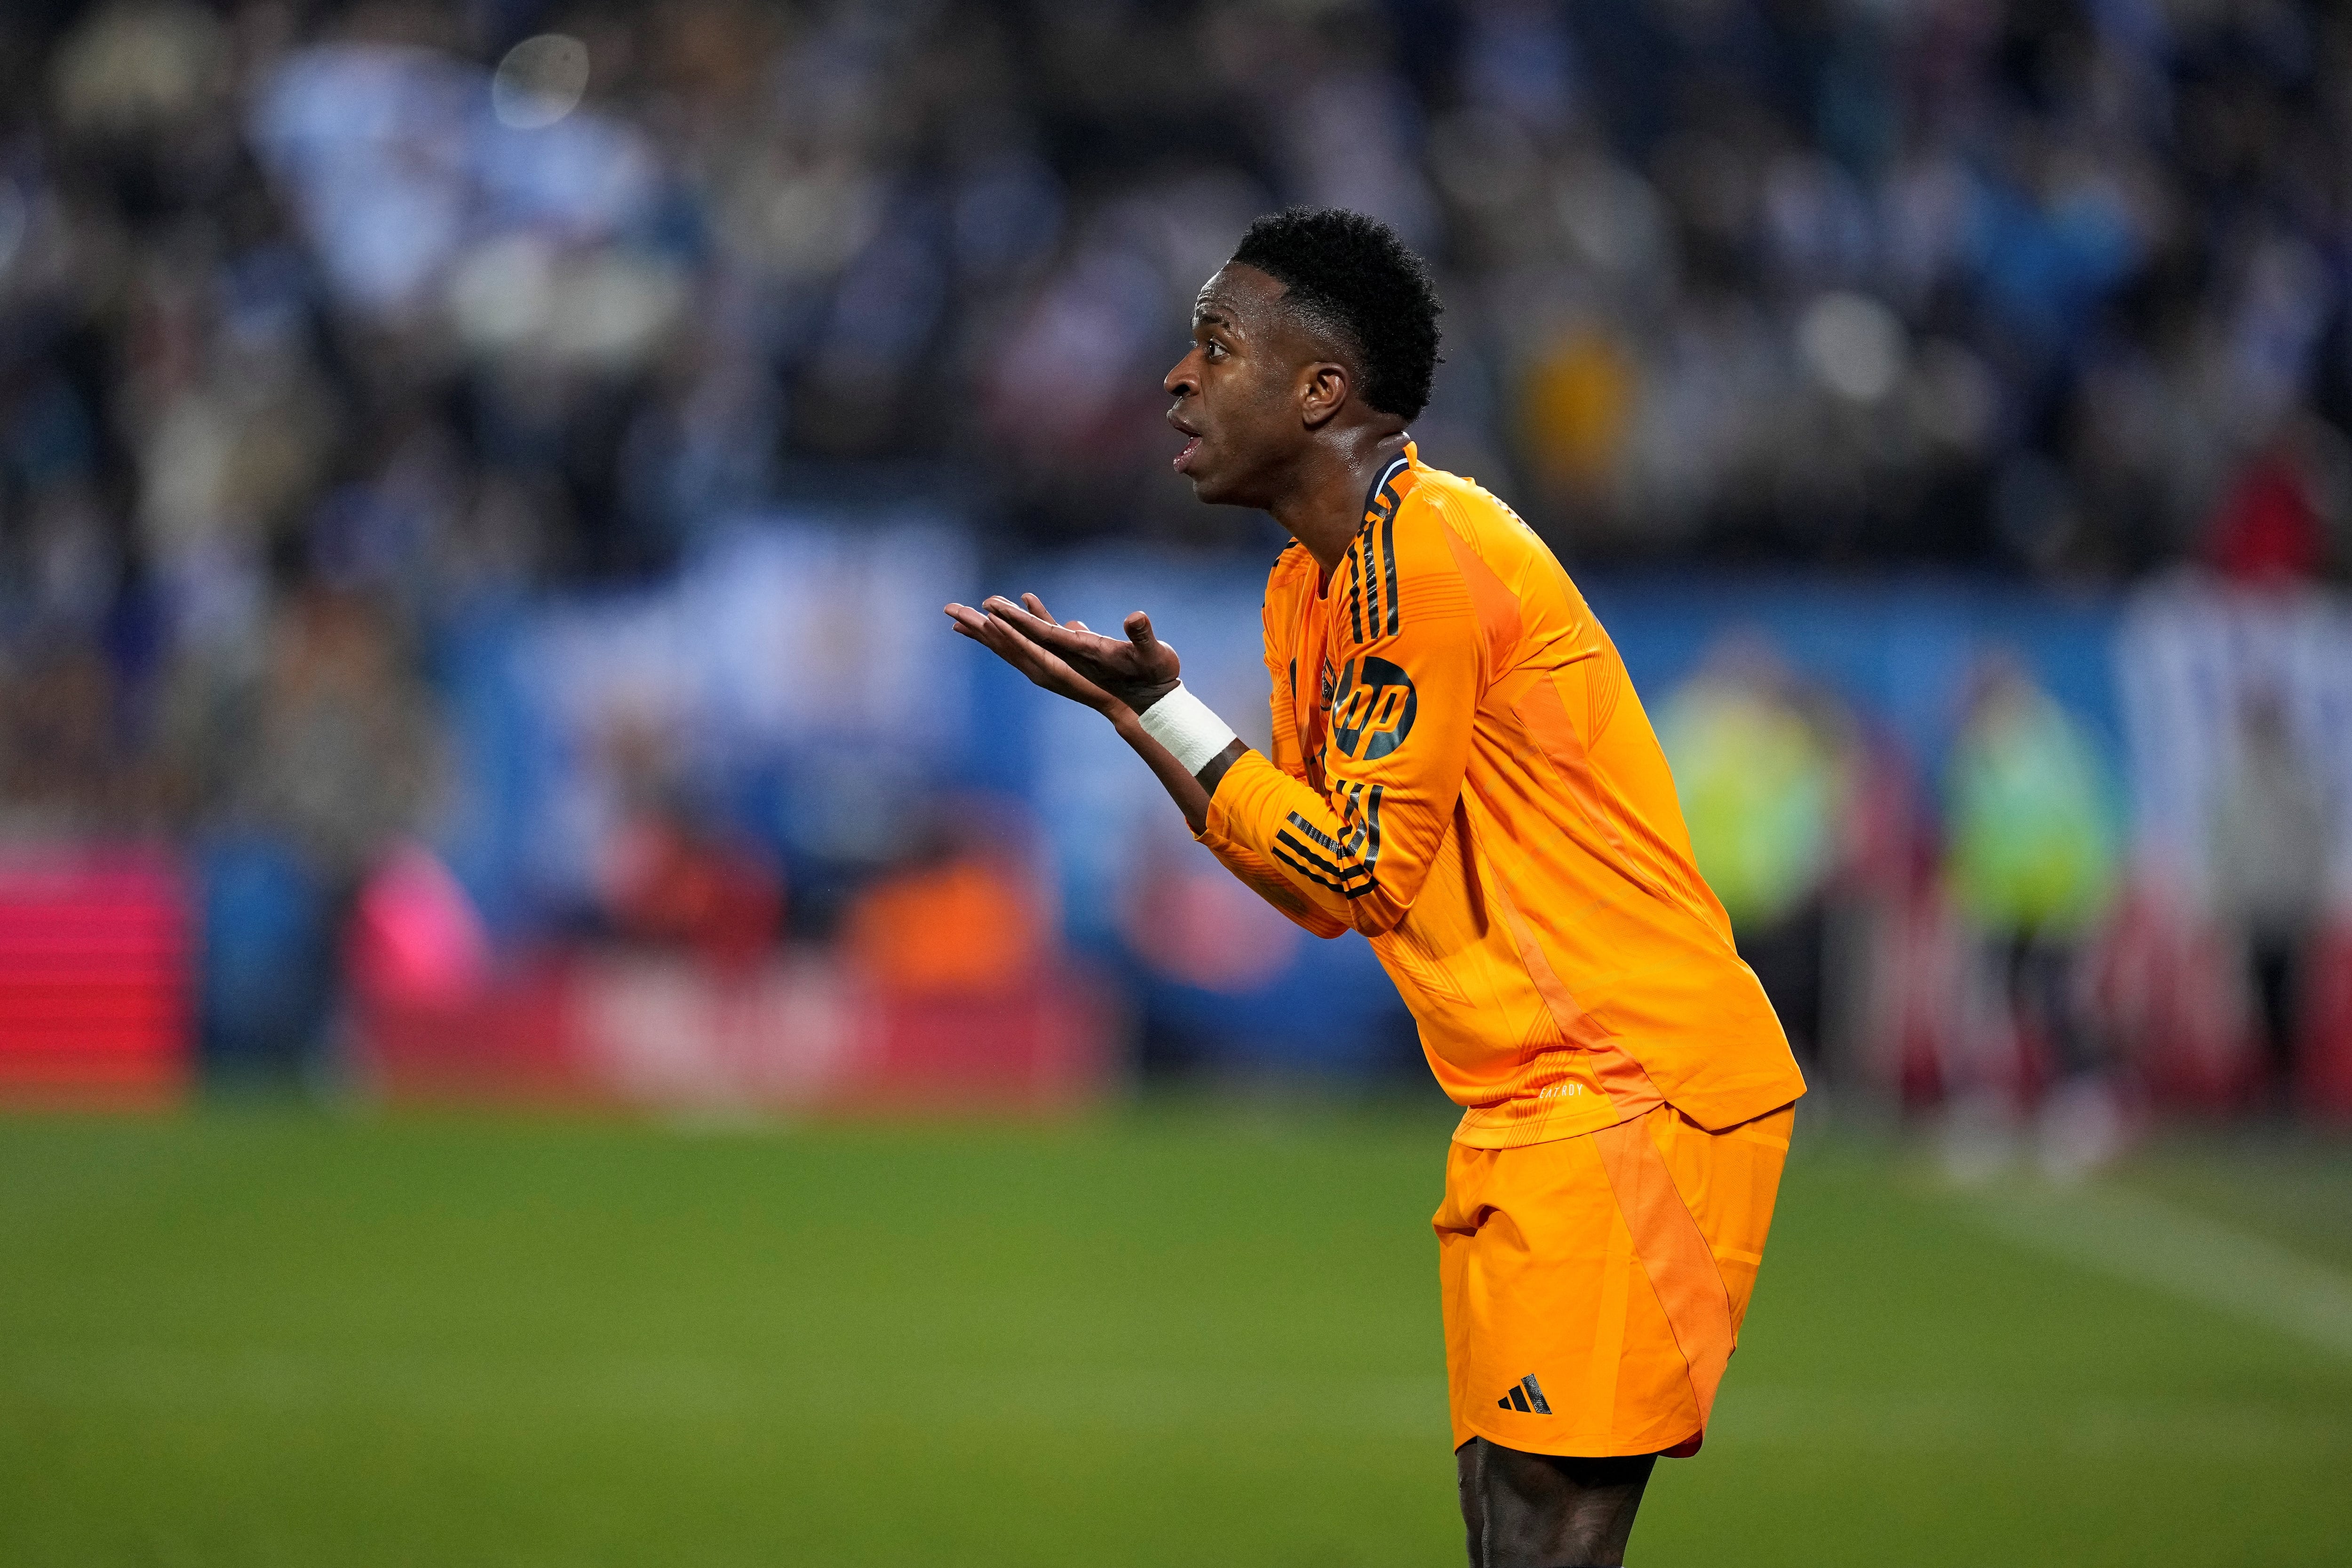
pixel 1352 280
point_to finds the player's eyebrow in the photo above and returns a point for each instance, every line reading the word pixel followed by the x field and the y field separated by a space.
pixel 1206 313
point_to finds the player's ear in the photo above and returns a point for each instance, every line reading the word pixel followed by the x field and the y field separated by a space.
pixel 1322 390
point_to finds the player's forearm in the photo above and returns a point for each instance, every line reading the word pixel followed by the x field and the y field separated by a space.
pixel 1260 877
pixel 1192 751
pixel 1190 791
pixel 1330 857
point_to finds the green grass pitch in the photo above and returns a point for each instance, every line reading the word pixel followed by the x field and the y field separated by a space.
pixel 1180 1334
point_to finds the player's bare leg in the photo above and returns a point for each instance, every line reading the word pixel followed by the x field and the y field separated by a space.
pixel 1536 1510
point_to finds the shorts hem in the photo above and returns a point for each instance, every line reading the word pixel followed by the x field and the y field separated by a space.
pixel 1578 1449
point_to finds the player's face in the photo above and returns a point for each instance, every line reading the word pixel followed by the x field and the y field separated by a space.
pixel 1235 393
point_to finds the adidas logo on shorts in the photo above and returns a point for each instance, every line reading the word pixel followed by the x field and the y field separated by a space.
pixel 1526 1397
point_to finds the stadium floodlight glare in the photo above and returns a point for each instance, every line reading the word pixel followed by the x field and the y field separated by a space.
pixel 539 82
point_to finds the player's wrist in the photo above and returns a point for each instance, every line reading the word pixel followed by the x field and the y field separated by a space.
pixel 1142 697
pixel 1188 727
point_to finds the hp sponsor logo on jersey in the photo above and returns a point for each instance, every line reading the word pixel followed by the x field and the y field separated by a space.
pixel 1371 711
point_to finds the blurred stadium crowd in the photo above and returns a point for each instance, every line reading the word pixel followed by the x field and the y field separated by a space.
pixel 386 391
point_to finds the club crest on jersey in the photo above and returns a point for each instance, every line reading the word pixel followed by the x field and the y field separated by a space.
pixel 1372 710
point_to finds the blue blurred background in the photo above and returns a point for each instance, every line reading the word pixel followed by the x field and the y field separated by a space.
pixel 478 483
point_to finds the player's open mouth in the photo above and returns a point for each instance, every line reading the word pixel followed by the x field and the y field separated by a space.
pixel 1185 456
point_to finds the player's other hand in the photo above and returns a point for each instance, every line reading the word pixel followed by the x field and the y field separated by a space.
pixel 1106 674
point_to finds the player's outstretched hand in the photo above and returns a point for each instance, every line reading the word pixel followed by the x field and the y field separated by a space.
pixel 1068 658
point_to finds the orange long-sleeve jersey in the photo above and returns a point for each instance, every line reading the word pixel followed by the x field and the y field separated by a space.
pixel 1463 772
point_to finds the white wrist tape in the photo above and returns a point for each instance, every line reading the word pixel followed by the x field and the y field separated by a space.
pixel 1185 724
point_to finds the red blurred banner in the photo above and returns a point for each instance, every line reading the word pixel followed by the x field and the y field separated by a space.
pixel 94 992
pixel 801 1033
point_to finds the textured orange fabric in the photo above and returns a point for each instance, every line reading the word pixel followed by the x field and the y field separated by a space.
pixel 1594 1286
pixel 1461 771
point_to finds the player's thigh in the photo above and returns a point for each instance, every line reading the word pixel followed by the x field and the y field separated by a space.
pixel 1731 1181
pixel 1555 1341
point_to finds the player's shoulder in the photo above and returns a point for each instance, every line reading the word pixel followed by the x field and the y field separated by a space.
pixel 1482 519
pixel 1404 576
pixel 1291 560
pixel 1290 582
pixel 1488 541
pixel 1292 571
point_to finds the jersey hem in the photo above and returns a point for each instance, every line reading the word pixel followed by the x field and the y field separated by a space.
pixel 1540 1129
pixel 1544 1131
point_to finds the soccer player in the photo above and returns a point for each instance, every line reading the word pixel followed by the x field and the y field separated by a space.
pixel 1462 771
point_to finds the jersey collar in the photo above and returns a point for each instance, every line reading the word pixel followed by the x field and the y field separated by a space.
pixel 1380 498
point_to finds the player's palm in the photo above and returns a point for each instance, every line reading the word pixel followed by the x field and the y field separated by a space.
pixel 1069 657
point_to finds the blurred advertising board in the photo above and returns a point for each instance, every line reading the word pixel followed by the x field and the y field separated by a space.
pixel 94 1004
pixel 798 1032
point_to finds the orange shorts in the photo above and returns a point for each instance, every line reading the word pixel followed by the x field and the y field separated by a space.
pixel 1594 1286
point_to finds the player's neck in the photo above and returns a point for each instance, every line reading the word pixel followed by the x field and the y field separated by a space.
pixel 1324 506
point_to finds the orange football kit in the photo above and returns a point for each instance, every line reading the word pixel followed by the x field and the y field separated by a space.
pixel 1462 771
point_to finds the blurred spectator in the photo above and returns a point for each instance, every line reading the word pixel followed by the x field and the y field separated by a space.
pixel 345 755
pixel 309 767
pixel 671 885
pixel 2273 524
pixel 962 915
pixel 2271 854
pixel 670 877
pixel 60 773
pixel 1762 779
pixel 1888 949
pixel 1183 925
pixel 2032 863
pixel 415 940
